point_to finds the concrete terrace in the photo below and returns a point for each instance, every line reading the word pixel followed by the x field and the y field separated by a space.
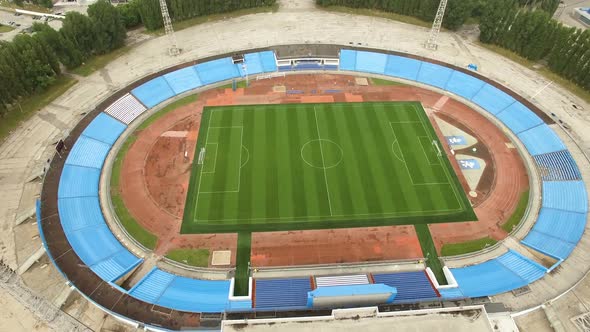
pixel 24 154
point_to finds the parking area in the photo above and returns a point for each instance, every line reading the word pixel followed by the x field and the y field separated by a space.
pixel 22 23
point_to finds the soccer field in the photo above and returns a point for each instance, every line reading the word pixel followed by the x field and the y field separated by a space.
pixel 315 166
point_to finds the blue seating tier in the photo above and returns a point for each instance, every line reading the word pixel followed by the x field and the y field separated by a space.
pixel 79 212
pixel 565 195
pixel 217 70
pixel 411 286
pixel 153 92
pixel 519 118
pixel 505 273
pixel 558 166
pixel 196 295
pixel 405 68
pixel 348 60
pixel 451 293
pixel 282 293
pixel 371 62
pixel 464 85
pixel 434 75
pixel 104 128
pixel 152 285
pixel 183 80
pixel 540 140
pixel 492 99
pixel 88 152
pixel 181 293
pixel 78 181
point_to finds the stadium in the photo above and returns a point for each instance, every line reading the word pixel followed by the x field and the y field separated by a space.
pixel 289 175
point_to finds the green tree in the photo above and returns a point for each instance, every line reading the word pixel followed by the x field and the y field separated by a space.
pixel 129 14
pixel 109 29
pixel 457 12
pixel 79 30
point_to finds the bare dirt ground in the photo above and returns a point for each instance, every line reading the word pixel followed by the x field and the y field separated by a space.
pixel 156 173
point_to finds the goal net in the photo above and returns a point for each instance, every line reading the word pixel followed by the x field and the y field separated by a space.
pixel 436 148
pixel 201 158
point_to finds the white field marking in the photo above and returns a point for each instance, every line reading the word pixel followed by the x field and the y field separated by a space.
pixel 449 178
pixel 402 152
pixel 214 160
pixel 405 121
pixel 426 154
pixel 247 159
pixel 320 140
pixel 394 153
pixel 201 170
pixel 323 160
pixel 240 162
pixel 427 213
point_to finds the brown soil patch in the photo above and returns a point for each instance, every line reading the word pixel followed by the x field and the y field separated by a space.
pixel 156 173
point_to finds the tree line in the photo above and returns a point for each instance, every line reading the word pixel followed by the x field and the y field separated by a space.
pixel 29 64
pixel 535 36
pixel 456 14
pixel 151 16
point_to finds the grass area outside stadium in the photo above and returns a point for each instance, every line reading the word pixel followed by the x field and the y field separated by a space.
pixel 318 166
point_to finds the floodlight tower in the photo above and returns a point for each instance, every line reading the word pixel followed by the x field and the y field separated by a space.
pixel 173 49
pixel 436 25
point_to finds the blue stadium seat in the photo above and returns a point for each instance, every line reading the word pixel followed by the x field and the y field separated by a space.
pixel 451 293
pixel 556 232
pixel 371 62
pixel 412 286
pixel 77 181
pixel 282 293
pixel 88 152
pixel 499 275
pixel 565 195
pixel 116 266
pixel 217 70
pixel 104 128
pixel 183 80
pixel 402 67
pixel 79 212
pixel 153 92
pixel 541 139
pixel 548 245
pixel 464 85
pixel 196 295
pixel 348 60
pixel 518 118
pixel 434 75
pixel 558 166
pixel 492 99
pixel 268 61
pixel 152 285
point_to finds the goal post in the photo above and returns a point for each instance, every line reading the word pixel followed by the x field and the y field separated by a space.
pixel 201 158
pixel 437 148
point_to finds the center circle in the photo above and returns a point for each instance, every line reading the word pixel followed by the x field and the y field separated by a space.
pixel 321 153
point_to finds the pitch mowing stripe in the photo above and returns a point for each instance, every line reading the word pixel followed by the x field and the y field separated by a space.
pixel 354 161
pixel 377 172
pixel 272 165
pixel 258 157
pixel 298 190
pixel 245 197
pixel 347 184
pixel 283 150
pixel 394 169
pixel 315 195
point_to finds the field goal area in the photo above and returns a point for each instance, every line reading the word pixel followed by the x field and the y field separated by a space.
pixel 310 166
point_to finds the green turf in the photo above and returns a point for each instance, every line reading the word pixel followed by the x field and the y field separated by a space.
pixel 192 257
pixel 317 166
pixel 453 249
pixel 242 264
pixel 516 217
pixel 429 252
pixel 382 82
